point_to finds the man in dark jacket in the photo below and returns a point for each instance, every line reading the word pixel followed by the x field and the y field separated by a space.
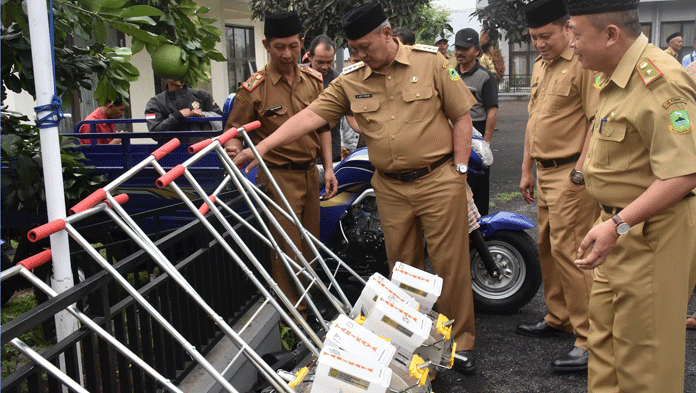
pixel 166 111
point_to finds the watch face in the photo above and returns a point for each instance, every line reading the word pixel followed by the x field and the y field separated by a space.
pixel 623 228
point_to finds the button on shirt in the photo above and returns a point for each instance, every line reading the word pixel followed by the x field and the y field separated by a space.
pixel 641 133
pixel 562 102
pixel 273 101
pixel 402 113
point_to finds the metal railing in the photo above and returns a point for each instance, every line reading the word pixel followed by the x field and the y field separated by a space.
pixel 515 84
pixel 199 258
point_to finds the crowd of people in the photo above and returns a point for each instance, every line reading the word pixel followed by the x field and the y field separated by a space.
pixel 609 158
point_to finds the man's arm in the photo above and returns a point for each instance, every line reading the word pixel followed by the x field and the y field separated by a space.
pixel 489 97
pixel 661 195
pixel 491 121
pixel 292 130
pixel 158 120
pixel 581 160
pixel 461 138
pixel 331 184
pixel 527 178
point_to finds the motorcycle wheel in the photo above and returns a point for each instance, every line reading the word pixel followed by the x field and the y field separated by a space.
pixel 517 256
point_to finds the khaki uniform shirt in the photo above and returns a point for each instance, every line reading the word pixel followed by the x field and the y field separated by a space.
pixel 643 129
pixel 487 62
pixel 672 52
pixel 268 97
pixel 404 113
pixel 562 104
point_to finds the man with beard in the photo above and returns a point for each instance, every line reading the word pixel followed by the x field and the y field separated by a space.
pixel 484 114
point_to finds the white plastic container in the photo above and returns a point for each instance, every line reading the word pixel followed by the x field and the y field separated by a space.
pixel 422 286
pixel 375 285
pixel 342 371
pixel 348 335
pixel 404 326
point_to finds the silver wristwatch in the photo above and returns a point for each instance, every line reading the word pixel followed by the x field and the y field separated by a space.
pixel 621 227
pixel 461 168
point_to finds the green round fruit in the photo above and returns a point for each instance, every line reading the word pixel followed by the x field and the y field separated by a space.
pixel 167 62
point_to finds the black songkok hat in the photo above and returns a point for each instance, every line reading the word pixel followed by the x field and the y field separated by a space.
pixel 588 7
pixel 542 12
pixel 282 24
pixel 363 19
pixel 673 36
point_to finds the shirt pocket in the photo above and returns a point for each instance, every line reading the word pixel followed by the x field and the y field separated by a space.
pixel 365 111
pixel 275 111
pixel 416 108
pixel 560 92
pixel 613 150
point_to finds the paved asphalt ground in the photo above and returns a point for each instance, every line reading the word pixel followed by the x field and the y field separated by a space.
pixel 508 362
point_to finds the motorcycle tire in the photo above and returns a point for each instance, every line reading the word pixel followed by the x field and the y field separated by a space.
pixel 517 256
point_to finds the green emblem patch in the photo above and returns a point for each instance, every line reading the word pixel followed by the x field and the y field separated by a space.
pixel 454 75
pixel 681 123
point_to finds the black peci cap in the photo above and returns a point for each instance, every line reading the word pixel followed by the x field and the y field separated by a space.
pixel 282 24
pixel 588 7
pixel 466 38
pixel 363 19
pixel 673 36
pixel 542 12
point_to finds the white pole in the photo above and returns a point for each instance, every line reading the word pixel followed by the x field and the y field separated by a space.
pixel 50 155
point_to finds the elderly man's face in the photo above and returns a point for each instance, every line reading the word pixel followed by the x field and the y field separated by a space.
pixel 676 43
pixel 323 59
pixel 372 48
pixel 284 52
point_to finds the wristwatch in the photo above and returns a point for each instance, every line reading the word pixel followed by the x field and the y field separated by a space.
pixel 621 227
pixel 577 177
pixel 461 168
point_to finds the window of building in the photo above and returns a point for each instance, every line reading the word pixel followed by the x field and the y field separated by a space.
pixel 522 58
pixel 241 55
pixel 687 30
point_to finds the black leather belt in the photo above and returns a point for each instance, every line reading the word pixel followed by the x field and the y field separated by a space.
pixel 293 166
pixel 559 161
pixel 616 210
pixel 413 175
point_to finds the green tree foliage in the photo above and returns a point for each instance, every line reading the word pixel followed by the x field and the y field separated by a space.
pixel 433 23
pixel 324 16
pixel 506 15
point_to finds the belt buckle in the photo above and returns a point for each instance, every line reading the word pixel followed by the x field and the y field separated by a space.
pixel 408 177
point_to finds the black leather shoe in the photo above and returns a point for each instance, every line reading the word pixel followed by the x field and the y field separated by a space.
pixel 464 361
pixel 539 329
pixel 575 360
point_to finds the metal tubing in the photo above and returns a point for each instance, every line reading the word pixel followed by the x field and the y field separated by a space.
pixel 48 366
pixel 100 331
pixel 149 308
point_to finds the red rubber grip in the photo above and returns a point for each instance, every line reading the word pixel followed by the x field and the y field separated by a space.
pixel 45 230
pixel 165 149
pixel 120 199
pixel 196 147
pixel 251 126
pixel 231 133
pixel 36 260
pixel 93 199
pixel 205 208
pixel 170 176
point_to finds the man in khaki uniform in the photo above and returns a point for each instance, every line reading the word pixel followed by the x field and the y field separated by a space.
pixel 403 99
pixel 641 166
pixel 272 96
pixel 563 102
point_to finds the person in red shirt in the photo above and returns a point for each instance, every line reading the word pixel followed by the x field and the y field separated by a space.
pixel 110 110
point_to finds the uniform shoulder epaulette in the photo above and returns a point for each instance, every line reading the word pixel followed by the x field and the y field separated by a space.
pixel 354 67
pixel 425 48
pixel 648 71
pixel 311 71
pixel 254 81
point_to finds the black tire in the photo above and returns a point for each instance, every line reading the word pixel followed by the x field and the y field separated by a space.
pixel 517 255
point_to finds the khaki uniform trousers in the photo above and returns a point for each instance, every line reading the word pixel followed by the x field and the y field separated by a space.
pixel 432 205
pixel 564 218
pixel 301 189
pixel 638 302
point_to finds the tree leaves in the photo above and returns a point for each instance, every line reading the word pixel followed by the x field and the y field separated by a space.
pixel 506 15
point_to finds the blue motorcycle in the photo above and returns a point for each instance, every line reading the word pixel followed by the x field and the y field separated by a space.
pixel 505 268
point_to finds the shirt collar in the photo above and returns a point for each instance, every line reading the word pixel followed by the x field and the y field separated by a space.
pixel 628 62
pixel 401 57
pixel 275 76
pixel 471 71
